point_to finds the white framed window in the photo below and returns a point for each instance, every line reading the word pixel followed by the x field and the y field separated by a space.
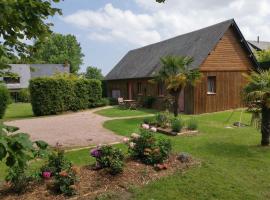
pixel 211 85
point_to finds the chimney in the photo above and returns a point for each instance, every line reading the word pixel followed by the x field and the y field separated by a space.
pixel 258 39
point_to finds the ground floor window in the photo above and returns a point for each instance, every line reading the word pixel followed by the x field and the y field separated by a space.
pixel 12 80
pixel 139 88
pixel 116 94
pixel 211 85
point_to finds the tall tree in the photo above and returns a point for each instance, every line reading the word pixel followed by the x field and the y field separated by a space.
pixel 58 48
pixel 257 96
pixel 176 75
pixel 20 20
pixel 93 73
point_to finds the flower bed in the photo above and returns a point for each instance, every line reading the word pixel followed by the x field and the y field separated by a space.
pixel 173 126
pixel 97 182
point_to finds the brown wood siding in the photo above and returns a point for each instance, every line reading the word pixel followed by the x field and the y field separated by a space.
pixel 228 55
pixel 228 61
pixel 148 89
pixel 189 100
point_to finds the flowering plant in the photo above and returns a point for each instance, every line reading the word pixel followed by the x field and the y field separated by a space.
pixel 46 175
pixel 108 157
pixel 148 149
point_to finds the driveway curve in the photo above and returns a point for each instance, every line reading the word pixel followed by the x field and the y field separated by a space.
pixel 69 130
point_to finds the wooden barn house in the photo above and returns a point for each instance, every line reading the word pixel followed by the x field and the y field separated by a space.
pixel 219 51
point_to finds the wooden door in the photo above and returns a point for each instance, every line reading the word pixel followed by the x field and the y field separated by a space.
pixel 129 90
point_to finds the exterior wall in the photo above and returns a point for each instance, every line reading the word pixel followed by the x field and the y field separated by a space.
pixel 28 71
pixel 23 71
pixel 148 89
pixel 228 61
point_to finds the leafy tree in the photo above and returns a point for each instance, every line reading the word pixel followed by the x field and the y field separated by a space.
pixel 257 96
pixel 176 75
pixel 58 48
pixel 263 56
pixel 93 73
pixel 20 20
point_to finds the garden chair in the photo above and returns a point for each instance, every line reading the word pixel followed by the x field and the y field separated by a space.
pixel 121 102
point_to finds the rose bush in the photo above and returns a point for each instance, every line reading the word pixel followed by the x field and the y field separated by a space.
pixel 147 148
pixel 108 157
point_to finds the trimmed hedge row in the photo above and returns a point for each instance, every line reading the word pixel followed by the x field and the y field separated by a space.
pixel 4 100
pixel 55 95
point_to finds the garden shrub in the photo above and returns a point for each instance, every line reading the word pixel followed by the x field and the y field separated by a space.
pixel 177 124
pixel 16 151
pixel 17 178
pixel 192 124
pixel 103 102
pixel 65 182
pixel 64 174
pixel 162 119
pixel 147 148
pixel 149 101
pixel 4 100
pixel 108 157
pixel 24 96
pixel 56 163
pixel 58 94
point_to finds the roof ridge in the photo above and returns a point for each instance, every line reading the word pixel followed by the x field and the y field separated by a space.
pixel 210 26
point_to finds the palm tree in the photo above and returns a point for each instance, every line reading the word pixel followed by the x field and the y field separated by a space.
pixel 176 74
pixel 257 96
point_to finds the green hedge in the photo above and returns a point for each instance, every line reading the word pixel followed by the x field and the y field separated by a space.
pixel 4 100
pixel 55 95
pixel 24 96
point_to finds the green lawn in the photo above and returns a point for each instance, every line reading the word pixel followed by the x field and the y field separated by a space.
pixel 18 110
pixel 119 112
pixel 233 165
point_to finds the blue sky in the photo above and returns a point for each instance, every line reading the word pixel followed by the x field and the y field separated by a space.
pixel 107 30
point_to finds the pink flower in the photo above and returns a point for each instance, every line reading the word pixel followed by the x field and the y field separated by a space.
pixel 145 126
pixel 126 140
pixel 46 175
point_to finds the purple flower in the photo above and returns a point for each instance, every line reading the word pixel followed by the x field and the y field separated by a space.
pixel 96 153
pixel 46 175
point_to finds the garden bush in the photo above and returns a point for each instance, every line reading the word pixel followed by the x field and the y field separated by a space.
pixel 56 163
pixel 103 102
pixel 177 124
pixel 16 151
pixel 4 100
pixel 149 101
pixel 147 148
pixel 108 157
pixel 24 96
pixel 162 119
pixel 64 174
pixel 192 124
pixel 58 94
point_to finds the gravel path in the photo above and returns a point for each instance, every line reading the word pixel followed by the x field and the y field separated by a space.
pixel 70 130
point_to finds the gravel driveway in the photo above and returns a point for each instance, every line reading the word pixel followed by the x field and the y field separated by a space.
pixel 70 130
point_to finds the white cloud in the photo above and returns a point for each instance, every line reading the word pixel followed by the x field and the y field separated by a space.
pixel 175 17
pixel 110 23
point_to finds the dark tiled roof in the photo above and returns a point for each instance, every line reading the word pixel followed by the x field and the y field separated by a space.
pixel 258 46
pixel 145 61
pixel 41 70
